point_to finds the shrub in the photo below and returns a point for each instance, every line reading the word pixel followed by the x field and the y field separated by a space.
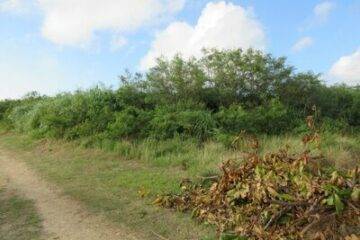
pixel 168 123
pixel 333 126
pixel 18 117
pixel 67 115
pixel 198 124
pixel 273 119
pixel 223 92
pixel 6 107
pixel 234 119
pixel 130 122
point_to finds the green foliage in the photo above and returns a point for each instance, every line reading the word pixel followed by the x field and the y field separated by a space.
pixel 66 115
pixel 331 125
pixel 5 107
pixel 169 122
pixel 220 78
pixel 273 118
pixel 130 122
pixel 234 119
pixel 215 96
pixel 131 95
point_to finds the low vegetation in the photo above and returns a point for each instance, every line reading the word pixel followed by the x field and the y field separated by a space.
pixel 214 97
pixel 177 121
pixel 121 189
pixel 279 195
pixel 18 217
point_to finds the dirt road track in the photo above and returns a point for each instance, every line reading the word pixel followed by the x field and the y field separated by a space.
pixel 63 218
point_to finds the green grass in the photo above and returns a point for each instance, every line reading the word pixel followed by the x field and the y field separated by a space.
pixel 108 176
pixel 18 218
pixel 109 184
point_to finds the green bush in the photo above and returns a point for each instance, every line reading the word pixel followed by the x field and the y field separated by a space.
pixel 198 124
pixel 6 107
pixel 130 122
pixel 18 117
pixel 169 122
pixel 272 119
pixel 334 126
pixel 67 116
pixel 234 119
pixel 215 96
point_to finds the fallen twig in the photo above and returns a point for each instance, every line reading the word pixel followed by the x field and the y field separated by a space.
pixel 277 216
pixel 159 236
pixel 208 178
pixel 283 203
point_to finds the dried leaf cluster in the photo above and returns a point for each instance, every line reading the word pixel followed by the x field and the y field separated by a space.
pixel 276 196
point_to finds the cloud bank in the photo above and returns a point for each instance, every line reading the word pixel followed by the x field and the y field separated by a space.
pixel 74 23
pixel 9 5
pixel 66 23
pixel 16 6
pixel 347 69
pixel 221 25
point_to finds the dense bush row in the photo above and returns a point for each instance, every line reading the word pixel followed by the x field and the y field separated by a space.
pixel 224 92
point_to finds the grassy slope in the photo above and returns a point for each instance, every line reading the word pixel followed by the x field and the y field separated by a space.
pixel 18 217
pixel 109 181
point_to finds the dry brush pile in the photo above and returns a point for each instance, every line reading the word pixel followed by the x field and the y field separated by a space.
pixel 276 196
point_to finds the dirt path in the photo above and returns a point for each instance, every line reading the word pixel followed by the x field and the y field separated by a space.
pixel 63 218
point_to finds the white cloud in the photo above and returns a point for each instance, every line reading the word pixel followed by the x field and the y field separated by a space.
pixel 9 5
pixel 320 15
pixel 347 69
pixel 221 25
pixel 69 22
pixel 323 10
pixel 118 42
pixel 176 5
pixel 302 43
pixel 15 6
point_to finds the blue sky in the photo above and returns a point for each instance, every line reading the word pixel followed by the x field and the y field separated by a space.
pixel 61 45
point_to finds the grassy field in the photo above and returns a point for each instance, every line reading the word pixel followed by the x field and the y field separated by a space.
pixel 121 179
pixel 109 184
pixel 18 217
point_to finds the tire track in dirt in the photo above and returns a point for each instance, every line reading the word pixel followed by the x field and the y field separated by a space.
pixel 63 217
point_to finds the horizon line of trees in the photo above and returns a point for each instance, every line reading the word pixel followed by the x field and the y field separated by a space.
pixel 221 93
